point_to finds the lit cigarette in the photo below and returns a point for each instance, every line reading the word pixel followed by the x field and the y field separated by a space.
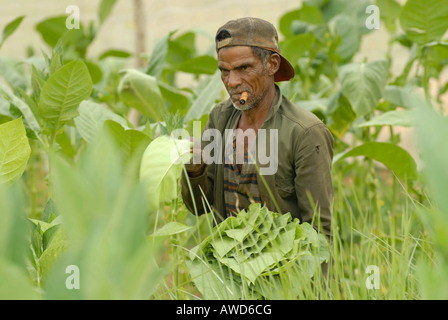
pixel 243 97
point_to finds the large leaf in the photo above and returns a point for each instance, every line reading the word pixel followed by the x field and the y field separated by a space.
pixel 105 9
pixel 158 56
pixel 390 11
pixel 363 84
pixel 306 14
pixel 12 71
pixel 200 65
pixel 432 133
pixel 341 115
pixel 392 156
pixel 52 29
pixel 130 142
pixel 206 98
pixel 141 91
pixel 161 166
pixel 63 92
pixel 27 112
pixel 401 96
pixel 404 118
pixel 424 20
pixel 293 48
pixel 356 10
pixel 92 117
pixel 14 150
pixel 345 27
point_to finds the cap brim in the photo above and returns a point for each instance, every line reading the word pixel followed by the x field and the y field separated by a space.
pixel 285 71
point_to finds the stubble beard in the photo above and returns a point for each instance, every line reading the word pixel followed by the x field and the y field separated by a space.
pixel 249 106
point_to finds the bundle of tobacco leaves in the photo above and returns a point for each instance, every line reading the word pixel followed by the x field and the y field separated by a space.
pixel 254 252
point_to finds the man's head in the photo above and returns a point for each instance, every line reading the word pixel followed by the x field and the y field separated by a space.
pixel 249 59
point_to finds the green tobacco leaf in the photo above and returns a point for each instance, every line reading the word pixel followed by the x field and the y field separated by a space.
pixel 10 28
pixel 306 14
pixel 131 142
pixel 181 48
pixel 424 20
pixel 200 65
pixel 171 228
pixel 341 116
pixel 15 283
pixel 105 9
pixel 63 92
pixel 390 11
pixel 52 29
pixel 293 48
pixel 161 167
pixel 345 27
pixel 401 96
pixel 53 251
pixel 12 71
pixel 106 211
pixel 114 53
pixel 206 98
pixel 252 245
pixel 141 91
pixel 363 84
pixel 210 280
pixel 392 156
pixel 26 111
pixel 432 131
pixel 175 99
pixel 404 118
pixel 92 117
pixel 356 10
pixel 157 59
pixel 14 150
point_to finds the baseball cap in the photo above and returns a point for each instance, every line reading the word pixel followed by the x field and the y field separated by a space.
pixel 254 32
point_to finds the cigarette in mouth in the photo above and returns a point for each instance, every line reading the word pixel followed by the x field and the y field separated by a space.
pixel 243 97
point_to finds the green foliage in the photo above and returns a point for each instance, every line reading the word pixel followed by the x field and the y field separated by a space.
pixel 394 157
pixel 63 92
pixel 253 249
pixel 106 231
pixel 10 28
pixel 161 166
pixel 140 91
pixel 424 22
pixel 86 185
pixel 14 150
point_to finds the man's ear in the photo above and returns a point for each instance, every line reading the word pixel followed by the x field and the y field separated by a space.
pixel 273 64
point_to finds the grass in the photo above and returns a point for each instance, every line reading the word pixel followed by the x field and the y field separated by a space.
pixel 387 235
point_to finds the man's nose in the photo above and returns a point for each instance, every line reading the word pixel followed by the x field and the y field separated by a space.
pixel 234 79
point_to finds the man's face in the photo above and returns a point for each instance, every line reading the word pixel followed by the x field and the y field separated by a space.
pixel 242 71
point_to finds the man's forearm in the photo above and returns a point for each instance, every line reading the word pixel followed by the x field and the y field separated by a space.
pixel 194 186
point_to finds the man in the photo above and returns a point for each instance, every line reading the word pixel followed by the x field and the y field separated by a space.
pixel 299 178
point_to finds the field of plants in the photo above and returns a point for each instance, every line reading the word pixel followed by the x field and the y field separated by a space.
pixel 90 204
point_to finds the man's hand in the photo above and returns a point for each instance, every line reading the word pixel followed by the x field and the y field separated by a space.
pixel 196 169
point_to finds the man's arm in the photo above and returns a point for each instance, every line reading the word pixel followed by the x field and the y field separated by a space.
pixel 197 183
pixel 313 158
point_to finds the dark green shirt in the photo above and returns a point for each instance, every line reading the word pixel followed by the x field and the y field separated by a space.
pixel 303 171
